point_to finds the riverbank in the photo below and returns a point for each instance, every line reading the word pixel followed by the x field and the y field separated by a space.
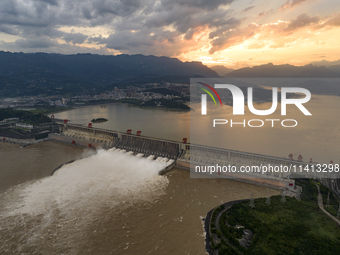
pixel 207 224
pixel 170 104
pixel 50 110
pixel 23 142
pixel 49 113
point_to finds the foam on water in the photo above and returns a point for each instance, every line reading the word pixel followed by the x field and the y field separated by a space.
pixel 77 193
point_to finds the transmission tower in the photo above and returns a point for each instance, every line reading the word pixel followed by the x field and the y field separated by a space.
pixel 268 198
pixel 283 197
pixel 327 203
pixel 298 196
pixel 251 202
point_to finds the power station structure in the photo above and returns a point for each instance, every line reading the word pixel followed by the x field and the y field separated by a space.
pixel 184 154
pixel 189 156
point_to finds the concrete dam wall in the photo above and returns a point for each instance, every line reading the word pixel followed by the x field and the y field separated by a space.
pixel 94 137
pixel 182 153
pixel 148 146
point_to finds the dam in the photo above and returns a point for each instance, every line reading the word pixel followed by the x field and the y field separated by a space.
pixel 183 155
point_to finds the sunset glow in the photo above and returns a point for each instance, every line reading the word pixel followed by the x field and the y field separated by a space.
pixel 228 32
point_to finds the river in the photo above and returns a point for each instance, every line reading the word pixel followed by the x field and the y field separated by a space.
pixel 81 210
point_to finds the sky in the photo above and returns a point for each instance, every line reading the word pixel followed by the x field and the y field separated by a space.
pixel 233 33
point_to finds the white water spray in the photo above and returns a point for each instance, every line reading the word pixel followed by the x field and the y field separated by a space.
pixel 80 192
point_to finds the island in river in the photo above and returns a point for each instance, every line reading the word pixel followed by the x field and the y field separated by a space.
pixel 99 120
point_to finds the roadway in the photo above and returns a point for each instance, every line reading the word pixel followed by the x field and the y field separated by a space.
pixel 320 203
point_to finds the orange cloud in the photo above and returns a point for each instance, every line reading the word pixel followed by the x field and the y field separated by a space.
pixel 290 4
pixel 280 34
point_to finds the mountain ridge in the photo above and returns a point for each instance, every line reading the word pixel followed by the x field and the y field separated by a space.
pixel 283 71
pixel 23 73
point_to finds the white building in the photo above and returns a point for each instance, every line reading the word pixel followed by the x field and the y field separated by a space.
pixel 24 125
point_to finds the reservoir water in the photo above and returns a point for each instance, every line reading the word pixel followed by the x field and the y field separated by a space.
pixel 316 136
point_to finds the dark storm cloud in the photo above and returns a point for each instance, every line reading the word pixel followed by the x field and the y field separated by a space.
pixel 49 31
pixel 202 4
pixel 148 41
pixel 126 40
pixel 11 30
pixel 180 17
pixel 187 20
pixel 35 43
pixel 75 38
pixel 167 21
pixel 51 2
pixel 227 25
pixel 135 24
pixel 58 48
pixel 26 13
pixel 110 12
pixel 96 39
pixel 118 8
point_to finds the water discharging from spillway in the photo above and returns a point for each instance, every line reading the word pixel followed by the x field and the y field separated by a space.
pixel 59 209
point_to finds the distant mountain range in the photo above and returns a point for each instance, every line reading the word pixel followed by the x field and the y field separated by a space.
pixel 326 63
pixel 286 71
pixel 57 74
pixel 32 73
pixel 221 70
pixel 317 79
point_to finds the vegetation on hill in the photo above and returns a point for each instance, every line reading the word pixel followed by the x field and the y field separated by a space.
pixel 25 116
pixel 333 205
pixel 162 103
pixel 163 91
pixel 148 80
pixel 293 227
pixel 170 104
pixel 23 74
pixel 50 109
